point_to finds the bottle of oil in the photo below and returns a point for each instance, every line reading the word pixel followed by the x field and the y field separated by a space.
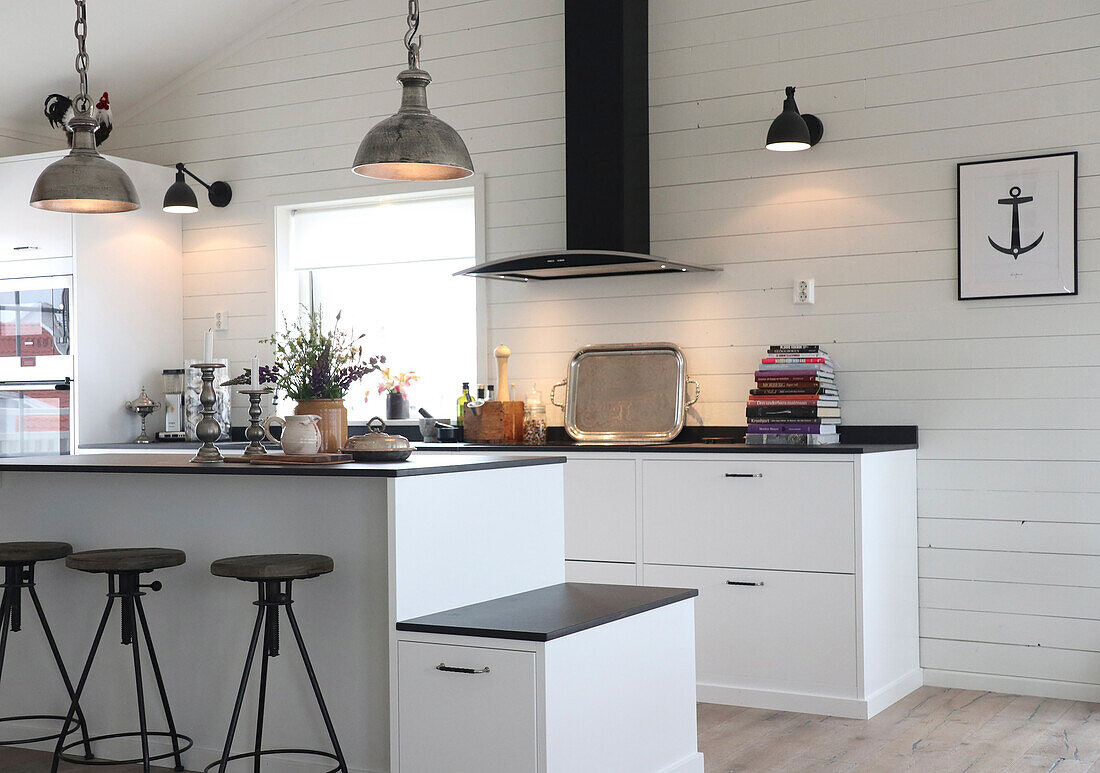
pixel 462 400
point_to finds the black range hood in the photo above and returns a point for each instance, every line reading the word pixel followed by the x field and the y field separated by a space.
pixel 606 152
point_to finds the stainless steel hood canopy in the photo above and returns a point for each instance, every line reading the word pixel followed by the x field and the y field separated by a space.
pixel 606 152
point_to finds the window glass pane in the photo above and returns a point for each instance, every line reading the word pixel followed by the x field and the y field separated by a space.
pixel 390 230
pixel 386 266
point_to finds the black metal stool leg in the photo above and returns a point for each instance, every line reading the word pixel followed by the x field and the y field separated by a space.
pixel 160 684
pixel 81 721
pixel 133 640
pixel 316 687
pixel 80 685
pixel 244 685
pixel 5 620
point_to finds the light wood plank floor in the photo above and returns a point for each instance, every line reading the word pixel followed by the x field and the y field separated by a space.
pixel 934 730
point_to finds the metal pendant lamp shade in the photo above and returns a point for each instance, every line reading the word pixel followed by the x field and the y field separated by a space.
pixel 413 144
pixel 84 182
pixel 180 198
pixel 791 130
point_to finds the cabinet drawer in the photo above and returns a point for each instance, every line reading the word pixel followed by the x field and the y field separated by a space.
pixel 600 511
pixel 795 632
pixel 471 722
pixel 27 233
pixel 599 571
pixel 772 515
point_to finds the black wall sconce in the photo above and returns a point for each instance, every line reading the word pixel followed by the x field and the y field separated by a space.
pixel 180 199
pixel 792 130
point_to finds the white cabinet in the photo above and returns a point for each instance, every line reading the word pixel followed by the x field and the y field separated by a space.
pixel 744 512
pixel 478 717
pixel 600 510
pixel 601 571
pixel 27 233
pixel 833 628
pixel 785 632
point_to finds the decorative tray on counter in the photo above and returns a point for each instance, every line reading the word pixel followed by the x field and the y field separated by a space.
pixel 291 459
pixel 626 393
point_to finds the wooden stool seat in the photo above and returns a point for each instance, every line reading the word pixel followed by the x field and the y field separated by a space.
pixel 277 566
pixel 29 552
pixel 118 560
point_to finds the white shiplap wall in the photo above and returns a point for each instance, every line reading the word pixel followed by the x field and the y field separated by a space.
pixel 1005 391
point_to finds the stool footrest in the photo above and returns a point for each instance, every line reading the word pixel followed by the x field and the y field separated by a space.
pixel 257 755
pixel 31 717
pixel 185 741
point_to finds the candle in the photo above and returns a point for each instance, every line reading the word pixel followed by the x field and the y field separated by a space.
pixel 208 346
pixel 255 373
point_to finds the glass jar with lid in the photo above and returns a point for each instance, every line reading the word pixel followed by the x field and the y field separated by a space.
pixel 534 419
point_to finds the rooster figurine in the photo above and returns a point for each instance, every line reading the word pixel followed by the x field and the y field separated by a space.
pixel 59 109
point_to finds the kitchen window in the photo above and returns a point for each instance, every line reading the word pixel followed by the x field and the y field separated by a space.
pixel 385 264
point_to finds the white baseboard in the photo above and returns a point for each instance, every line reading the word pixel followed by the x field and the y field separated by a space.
pixel 1013 685
pixel 808 703
pixel 894 692
pixel 690 764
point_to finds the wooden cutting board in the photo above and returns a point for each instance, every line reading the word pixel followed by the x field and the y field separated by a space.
pixel 292 459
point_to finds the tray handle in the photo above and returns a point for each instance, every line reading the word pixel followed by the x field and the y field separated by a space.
pixel 698 391
pixel 554 389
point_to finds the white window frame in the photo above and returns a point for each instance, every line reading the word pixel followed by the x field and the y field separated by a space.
pixel 287 287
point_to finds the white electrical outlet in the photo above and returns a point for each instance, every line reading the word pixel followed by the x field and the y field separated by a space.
pixel 221 320
pixel 803 291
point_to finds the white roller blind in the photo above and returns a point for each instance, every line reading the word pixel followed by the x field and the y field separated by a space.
pixel 393 230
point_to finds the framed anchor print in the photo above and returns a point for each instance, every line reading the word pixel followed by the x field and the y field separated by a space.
pixel 1018 227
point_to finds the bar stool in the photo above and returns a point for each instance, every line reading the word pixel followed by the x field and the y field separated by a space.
pixel 18 560
pixel 274 575
pixel 124 567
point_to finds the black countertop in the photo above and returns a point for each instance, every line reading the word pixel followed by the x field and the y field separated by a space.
pixel 180 464
pixel 855 439
pixel 548 613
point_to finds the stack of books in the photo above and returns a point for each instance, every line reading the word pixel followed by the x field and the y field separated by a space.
pixel 795 401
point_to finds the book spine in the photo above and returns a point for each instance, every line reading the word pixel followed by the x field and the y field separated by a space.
pixel 788 366
pixel 785 427
pixel 799 348
pixel 773 391
pixel 790 439
pixel 793 360
pixel 755 421
pixel 782 409
pixel 791 375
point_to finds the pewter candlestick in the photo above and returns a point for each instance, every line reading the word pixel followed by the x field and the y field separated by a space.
pixel 208 429
pixel 255 432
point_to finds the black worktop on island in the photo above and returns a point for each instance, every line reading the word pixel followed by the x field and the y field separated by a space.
pixel 180 464
pixel 548 613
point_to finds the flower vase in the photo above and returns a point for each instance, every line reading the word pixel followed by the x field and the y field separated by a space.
pixel 397 406
pixel 334 422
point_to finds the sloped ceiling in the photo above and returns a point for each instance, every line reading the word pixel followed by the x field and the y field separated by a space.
pixel 136 49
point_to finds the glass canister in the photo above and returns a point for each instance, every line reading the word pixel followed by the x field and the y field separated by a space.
pixel 534 419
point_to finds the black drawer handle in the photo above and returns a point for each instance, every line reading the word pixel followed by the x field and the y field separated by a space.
pixel 744 475
pixel 745 583
pixel 458 670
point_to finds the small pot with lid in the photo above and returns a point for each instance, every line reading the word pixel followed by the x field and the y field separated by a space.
pixel 377 446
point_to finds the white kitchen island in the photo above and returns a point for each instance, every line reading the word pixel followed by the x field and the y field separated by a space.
pixel 431 534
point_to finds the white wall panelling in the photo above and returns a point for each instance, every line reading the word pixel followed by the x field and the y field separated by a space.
pixel 1005 390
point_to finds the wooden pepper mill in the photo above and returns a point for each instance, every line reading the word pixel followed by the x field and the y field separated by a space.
pixel 502 353
pixel 497 421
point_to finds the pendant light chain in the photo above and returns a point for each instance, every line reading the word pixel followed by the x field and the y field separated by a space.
pixel 411 41
pixel 83 103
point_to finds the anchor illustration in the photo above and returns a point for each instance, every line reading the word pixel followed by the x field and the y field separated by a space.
pixel 1015 250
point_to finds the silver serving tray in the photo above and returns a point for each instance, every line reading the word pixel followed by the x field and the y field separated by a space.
pixel 625 393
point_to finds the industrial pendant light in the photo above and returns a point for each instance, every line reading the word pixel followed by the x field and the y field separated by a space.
pixel 792 130
pixel 413 144
pixel 84 181
pixel 180 199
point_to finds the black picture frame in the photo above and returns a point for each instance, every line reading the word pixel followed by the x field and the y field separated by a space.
pixel 969 288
